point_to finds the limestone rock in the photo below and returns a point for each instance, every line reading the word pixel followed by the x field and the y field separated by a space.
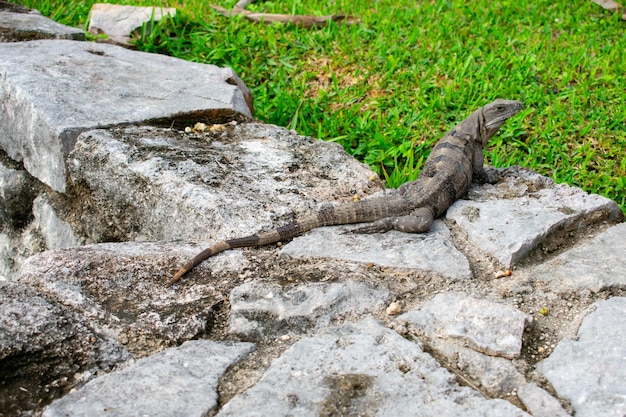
pixel 176 382
pixel 18 24
pixel 432 252
pixel 588 371
pixel 534 208
pixel 262 310
pixel 17 192
pixel 160 184
pixel 46 349
pixel 121 286
pixel 491 328
pixel 496 377
pixel 118 22
pixel 361 369
pixel 539 402
pixel 56 233
pixel 43 85
pixel 596 265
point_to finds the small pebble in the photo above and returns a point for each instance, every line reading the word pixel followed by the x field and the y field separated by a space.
pixel 394 308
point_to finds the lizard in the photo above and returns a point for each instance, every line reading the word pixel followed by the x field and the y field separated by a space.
pixel 453 163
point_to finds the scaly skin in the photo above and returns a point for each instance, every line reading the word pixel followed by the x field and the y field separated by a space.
pixel 454 162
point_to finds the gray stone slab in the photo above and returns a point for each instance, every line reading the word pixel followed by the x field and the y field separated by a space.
pixel 590 372
pixel 46 349
pixel 491 328
pixel 52 90
pixel 118 21
pixel 56 233
pixel 495 376
pixel 19 24
pixel 361 369
pixel 261 310
pixel 177 382
pixel 595 265
pixel 539 402
pixel 121 286
pixel 432 252
pixel 232 181
pixel 508 229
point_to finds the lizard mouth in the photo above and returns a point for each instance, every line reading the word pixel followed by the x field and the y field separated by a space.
pixel 498 121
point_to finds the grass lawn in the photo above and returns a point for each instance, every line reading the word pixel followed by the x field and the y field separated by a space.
pixel 389 87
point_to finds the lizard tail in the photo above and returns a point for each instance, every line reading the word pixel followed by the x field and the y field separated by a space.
pixel 242 242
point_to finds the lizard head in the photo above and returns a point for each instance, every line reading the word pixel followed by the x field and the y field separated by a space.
pixel 495 114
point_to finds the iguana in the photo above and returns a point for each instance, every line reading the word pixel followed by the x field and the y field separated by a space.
pixel 454 161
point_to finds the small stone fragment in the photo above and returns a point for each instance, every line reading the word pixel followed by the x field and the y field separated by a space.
pixel 394 308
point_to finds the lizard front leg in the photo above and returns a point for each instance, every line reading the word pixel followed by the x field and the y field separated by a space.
pixel 418 222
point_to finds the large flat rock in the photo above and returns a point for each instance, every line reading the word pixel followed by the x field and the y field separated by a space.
pixel 20 24
pixel 52 90
pixel 177 382
pixel 46 349
pixel 161 184
pixel 361 369
pixel 431 252
pixel 511 218
pixel 261 310
pixel 590 371
pixel 595 265
pixel 121 287
pixel 492 328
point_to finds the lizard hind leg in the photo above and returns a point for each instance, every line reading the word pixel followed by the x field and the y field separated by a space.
pixel 418 222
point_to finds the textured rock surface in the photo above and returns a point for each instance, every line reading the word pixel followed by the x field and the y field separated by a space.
pixel 43 85
pixel 588 371
pixel 325 375
pixel 539 402
pixel 159 184
pixel 491 328
pixel 20 24
pixel 117 21
pixel 595 265
pixel 533 209
pixel 46 349
pixel 122 288
pixel 263 309
pixel 177 382
pixel 432 252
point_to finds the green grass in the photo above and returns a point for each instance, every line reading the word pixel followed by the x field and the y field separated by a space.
pixel 389 87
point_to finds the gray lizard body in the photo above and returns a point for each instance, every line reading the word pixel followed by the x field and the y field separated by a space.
pixel 454 162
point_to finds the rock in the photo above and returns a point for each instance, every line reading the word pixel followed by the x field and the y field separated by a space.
pixel 18 23
pixel 539 403
pixel 43 85
pixel 118 22
pixel 160 184
pixel 361 369
pixel 56 233
pixel 588 372
pixel 508 229
pixel 496 377
pixel 432 252
pixel 596 265
pixel 491 328
pixel 46 349
pixel 17 192
pixel 262 310
pixel 176 382
pixel 121 286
